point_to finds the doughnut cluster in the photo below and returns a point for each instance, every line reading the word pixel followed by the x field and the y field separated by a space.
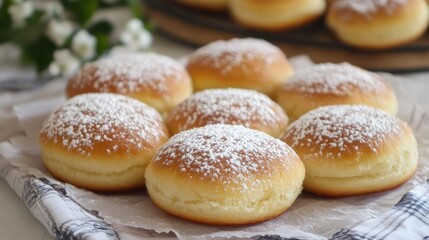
pixel 226 154
pixel 365 24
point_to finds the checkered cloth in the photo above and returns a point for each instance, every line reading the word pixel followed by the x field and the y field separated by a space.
pixel 63 217
pixel 408 219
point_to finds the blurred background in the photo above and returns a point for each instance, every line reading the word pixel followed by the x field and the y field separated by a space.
pixel 44 39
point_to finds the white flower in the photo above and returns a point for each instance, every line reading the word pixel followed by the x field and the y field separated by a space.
pixel 135 36
pixel 134 25
pixel 19 11
pixel 65 63
pixel 59 31
pixel 53 8
pixel 83 44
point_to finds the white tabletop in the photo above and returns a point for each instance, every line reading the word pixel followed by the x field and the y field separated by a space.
pixel 16 222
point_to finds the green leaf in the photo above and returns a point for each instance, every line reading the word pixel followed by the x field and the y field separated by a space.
pixel 5 35
pixel 35 17
pixel 119 3
pixel 27 34
pixel 149 26
pixel 136 8
pixel 30 31
pixel 5 20
pixel 103 43
pixel 40 53
pixel 102 26
pixel 82 10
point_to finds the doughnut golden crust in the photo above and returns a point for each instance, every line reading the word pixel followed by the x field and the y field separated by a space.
pixel 228 106
pixel 159 81
pixel 101 141
pixel 240 63
pixel 215 5
pixel 276 14
pixel 353 150
pixel 378 24
pixel 333 84
pixel 224 175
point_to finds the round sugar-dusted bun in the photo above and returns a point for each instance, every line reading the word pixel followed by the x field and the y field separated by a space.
pixel 240 63
pixel 225 175
pixel 159 81
pixel 332 84
pixel 378 24
pixel 353 149
pixel 276 14
pixel 101 141
pixel 215 5
pixel 228 106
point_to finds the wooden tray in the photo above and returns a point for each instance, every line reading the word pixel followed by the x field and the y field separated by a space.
pixel 197 28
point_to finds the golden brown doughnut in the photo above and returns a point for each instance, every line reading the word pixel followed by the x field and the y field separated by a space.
pixel 228 106
pixel 159 81
pixel 276 14
pixel 332 84
pixel 240 63
pixel 353 149
pixel 378 24
pixel 101 141
pixel 225 175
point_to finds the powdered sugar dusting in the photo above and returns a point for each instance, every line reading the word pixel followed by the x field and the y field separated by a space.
pixel 227 154
pixel 338 79
pixel 131 73
pixel 229 55
pixel 228 106
pixel 115 121
pixel 342 129
pixel 368 7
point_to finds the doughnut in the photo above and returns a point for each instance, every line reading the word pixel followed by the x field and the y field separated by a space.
pixel 213 5
pixel 378 24
pixel 228 106
pixel 352 149
pixel 101 141
pixel 333 84
pixel 240 63
pixel 276 14
pixel 224 175
pixel 159 81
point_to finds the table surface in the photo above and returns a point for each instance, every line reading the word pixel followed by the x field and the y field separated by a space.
pixel 16 221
